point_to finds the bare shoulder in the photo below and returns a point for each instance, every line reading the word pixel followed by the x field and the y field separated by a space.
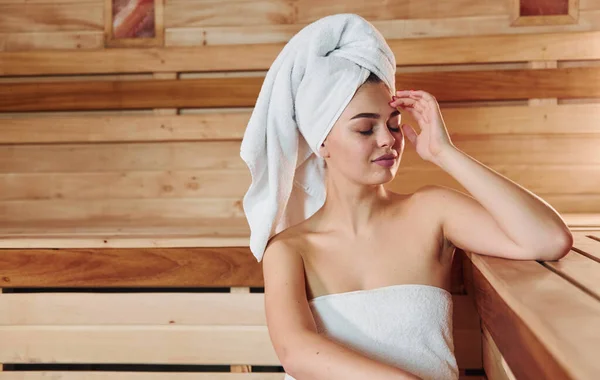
pixel 286 307
pixel 425 209
pixel 435 195
pixel 436 202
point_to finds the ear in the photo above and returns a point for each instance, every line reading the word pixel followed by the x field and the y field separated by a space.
pixel 323 151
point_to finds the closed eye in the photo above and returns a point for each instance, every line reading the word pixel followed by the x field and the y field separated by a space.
pixel 370 131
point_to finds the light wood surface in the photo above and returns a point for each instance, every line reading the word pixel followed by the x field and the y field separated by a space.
pixel 542 315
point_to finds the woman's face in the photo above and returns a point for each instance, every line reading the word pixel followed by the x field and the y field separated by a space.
pixel 368 128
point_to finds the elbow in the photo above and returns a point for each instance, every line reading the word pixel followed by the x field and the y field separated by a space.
pixel 288 356
pixel 294 355
pixel 291 364
pixel 560 248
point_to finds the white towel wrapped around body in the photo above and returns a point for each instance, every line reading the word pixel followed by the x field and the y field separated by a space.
pixel 409 326
pixel 307 87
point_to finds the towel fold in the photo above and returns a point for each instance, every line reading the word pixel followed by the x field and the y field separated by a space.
pixel 307 87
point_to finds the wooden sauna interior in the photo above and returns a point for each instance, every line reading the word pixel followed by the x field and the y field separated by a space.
pixel 124 247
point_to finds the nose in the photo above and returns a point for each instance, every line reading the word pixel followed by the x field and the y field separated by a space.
pixel 386 138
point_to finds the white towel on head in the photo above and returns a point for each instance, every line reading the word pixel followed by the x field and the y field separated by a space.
pixel 307 87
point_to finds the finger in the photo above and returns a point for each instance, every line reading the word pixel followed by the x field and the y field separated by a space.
pixel 410 134
pixel 418 94
pixel 415 113
pixel 417 105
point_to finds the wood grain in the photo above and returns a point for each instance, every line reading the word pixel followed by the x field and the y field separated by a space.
pixel 565 119
pixel 259 56
pixel 575 82
pixel 50 17
pixel 144 267
pixel 518 302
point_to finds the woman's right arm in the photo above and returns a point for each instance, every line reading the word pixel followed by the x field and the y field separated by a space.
pixel 303 353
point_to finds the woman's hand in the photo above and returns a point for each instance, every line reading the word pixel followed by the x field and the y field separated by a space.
pixel 433 139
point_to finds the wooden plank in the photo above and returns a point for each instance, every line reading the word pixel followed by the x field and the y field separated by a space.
pixel 573 82
pixel 143 267
pixel 43 17
pixel 109 157
pixel 172 184
pixel 112 375
pixel 85 309
pixel 156 211
pixel 514 120
pixel 69 40
pixel 311 10
pixel 492 150
pixel 127 128
pixel 131 185
pixel 28 238
pixel 540 179
pixel 275 12
pixel 395 29
pixel 571 203
pixel 137 344
pixel 518 302
pixel 89 309
pixel 585 244
pixel 494 364
pixel 449 50
pixel 173 211
pixel 198 233
pixel 149 344
pixel 204 13
pixel 588 223
pixel 580 270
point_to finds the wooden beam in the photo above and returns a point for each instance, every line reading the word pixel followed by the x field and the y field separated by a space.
pixel 141 267
pixel 574 82
pixel 427 51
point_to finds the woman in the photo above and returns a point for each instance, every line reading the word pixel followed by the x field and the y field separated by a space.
pixel 360 289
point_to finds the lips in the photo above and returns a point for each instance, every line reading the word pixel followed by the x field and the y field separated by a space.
pixel 386 157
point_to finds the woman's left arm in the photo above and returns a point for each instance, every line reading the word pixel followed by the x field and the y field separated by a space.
pixel 501 218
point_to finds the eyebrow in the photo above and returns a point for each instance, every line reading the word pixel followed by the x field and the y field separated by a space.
pixel 374 115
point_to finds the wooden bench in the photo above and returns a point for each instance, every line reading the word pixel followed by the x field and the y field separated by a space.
pixel 123 241
pixel 541 320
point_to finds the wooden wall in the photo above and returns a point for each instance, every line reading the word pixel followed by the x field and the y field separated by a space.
pixel 139 147
pixel 79 24
pixel 113 141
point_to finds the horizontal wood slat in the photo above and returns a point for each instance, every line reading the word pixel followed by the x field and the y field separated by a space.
pixel 215 155
pixel 128 128
pixel 28 129
pixel 579 269
pixel 175 184
pixel 198 233
pixel 572 82
pixel 575 149
pixel 143 267
pixel 135 185
pixel 588 243
pixel 89 309
pixel 422 51
pixel 137 344
pixel 155 211
pixel 50 17
pixel 158 344
pixel 130 375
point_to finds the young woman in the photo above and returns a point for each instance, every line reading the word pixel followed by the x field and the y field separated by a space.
pixel 360 290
